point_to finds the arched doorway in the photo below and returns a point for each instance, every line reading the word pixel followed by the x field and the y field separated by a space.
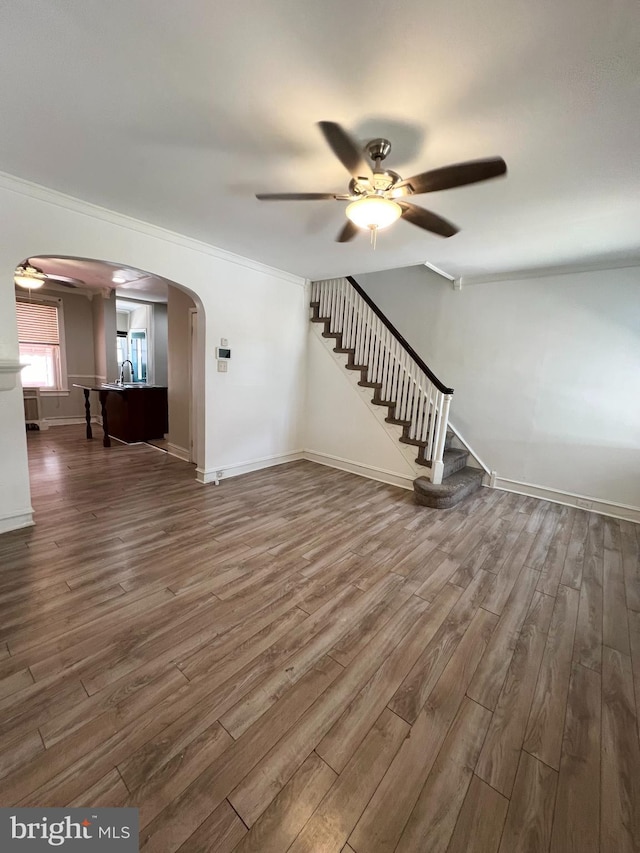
pixel 116 322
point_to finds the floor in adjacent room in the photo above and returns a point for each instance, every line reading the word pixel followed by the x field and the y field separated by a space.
pixel 300 659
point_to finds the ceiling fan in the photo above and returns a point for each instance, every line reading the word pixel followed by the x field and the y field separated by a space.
pixel 31 277
pixel 377 195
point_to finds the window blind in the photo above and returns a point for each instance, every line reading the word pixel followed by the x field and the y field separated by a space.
pixel 37 323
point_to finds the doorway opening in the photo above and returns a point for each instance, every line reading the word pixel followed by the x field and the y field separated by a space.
pixel 118 330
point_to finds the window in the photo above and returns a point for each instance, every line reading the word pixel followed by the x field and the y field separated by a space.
pixel 39 339
pixel 122 353
pixel 138 344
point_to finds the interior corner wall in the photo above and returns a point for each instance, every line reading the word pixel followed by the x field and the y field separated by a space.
pixel 179 305
pixel 104 337
pixel 546 371
pixel 122 321
pixel 248 417
pixel 159 322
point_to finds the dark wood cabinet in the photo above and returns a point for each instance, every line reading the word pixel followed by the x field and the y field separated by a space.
pixel 137 414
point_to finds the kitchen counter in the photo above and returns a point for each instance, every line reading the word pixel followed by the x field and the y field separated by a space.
pixel 131 412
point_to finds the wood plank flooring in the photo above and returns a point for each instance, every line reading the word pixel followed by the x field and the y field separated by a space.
pixel 302 660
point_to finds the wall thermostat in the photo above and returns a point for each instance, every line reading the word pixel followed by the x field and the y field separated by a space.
pixel 223 352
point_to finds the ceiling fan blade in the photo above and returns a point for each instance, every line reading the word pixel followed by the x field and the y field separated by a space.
pixel 298 196
pixel 348 232
pixel 64 280
pixel 427 220
pixel 456 175
pixel 346 150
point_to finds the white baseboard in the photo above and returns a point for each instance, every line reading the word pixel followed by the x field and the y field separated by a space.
pixel 16 520
pixel 214 475
pixel 589 504
pixel 64 421
pixel 179 452
pixel 369 471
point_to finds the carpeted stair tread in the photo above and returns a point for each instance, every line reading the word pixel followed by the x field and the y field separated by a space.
pixel 454 458
pixel 451 491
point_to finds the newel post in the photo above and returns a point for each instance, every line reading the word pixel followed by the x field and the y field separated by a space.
pixel 437 466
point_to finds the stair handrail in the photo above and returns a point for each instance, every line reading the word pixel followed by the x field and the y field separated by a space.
pixel 401 340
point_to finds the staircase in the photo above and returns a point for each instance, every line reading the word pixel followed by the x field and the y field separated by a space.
pixel 415 399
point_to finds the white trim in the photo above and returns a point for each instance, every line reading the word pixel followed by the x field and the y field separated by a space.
pixel 9 371
pixel 213 475
pixel 178 452
pixel 81 375
pixel 11 366
pixel 17 520
pixel 468 447
pixel 368 471
pixel 62 420
pixel 49 196
pixel 54 392
pixel 192 373
pixel 438 271
pixel 543 272
pixel 611 508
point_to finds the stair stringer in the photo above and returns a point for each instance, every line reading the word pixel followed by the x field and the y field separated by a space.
pixel 406 469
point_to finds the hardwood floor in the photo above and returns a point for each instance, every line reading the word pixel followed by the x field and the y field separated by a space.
pixel 302 660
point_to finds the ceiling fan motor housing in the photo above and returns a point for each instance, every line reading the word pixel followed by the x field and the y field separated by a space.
pixel 380 182
pixel 378 149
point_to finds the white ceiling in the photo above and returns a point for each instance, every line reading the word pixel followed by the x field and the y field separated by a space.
pixel 90 274
pixel 176 113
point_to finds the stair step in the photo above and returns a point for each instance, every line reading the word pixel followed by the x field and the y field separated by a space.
pixel 357 366
pixel 398 422
pixel 332 335
pixel 346 350
pixel 364 383
pixel 454 459
pixel 451 491
pixel 413 441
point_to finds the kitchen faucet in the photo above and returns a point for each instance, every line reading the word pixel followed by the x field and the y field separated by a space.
pixel 126 361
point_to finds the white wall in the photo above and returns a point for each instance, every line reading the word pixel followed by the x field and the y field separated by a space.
pixel 160 343
pixel 546 371
pixel 179 305
pixel 248 417
pixel 340 428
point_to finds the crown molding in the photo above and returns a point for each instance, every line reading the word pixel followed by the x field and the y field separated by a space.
pixel 94 211
pixel 544 272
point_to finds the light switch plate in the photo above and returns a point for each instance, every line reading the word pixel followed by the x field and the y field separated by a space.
pixel 224 342
pixel 222 366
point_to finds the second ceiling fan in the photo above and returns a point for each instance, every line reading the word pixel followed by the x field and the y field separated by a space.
pixel 378 196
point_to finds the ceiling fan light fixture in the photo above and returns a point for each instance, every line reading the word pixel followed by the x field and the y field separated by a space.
pixel 31 278
pixel 373 212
